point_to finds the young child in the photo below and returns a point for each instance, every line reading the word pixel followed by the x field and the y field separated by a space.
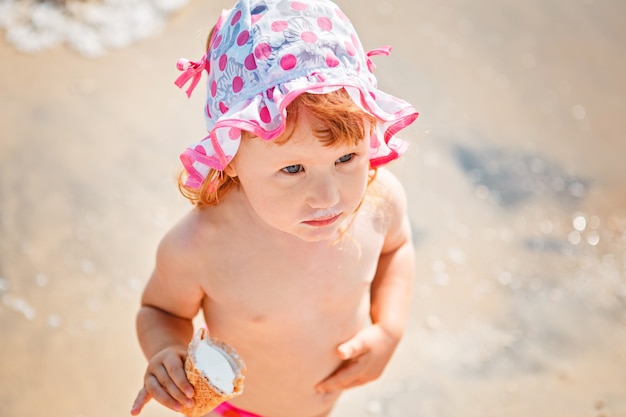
pixel 298 248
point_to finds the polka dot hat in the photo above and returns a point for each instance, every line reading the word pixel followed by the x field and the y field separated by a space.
pixel 262 55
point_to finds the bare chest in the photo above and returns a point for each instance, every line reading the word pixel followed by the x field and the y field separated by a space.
pixel 265 282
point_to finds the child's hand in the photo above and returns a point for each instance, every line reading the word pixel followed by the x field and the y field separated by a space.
pixel 166 381
pixel 365 357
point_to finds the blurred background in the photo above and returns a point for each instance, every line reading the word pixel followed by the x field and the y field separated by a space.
pixel 516 181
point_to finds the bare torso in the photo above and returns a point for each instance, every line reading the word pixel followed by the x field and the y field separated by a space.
pixel 286 304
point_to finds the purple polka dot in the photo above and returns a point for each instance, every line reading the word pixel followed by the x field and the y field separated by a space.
pixel 279 25
pixel 331 60
pixel 234 133
pixel 223 107
pixel 324 23
pixel 236 18
pixel 217 41
pixel 373 95
pixel 250 62
pixel 208 111
pixel 309 37
pixel 213 88
pixel 243 37
pixel 237 84
pixel 255 18
pixel 200 149
pixel 262 51
pixel 288 62
pixel 222 62
pixel 270 93
pixel 298 5
pixel 266 117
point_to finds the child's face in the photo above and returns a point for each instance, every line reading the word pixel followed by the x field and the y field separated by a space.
pixel 302 187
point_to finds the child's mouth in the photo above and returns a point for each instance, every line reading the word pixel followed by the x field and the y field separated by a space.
pixel 323 220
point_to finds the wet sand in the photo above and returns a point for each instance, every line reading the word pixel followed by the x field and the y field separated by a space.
pixel 516 181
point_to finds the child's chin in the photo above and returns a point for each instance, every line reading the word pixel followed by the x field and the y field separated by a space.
pixel 319 234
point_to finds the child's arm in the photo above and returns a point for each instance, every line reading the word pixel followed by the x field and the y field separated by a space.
pixel 367 353
pixel 170 301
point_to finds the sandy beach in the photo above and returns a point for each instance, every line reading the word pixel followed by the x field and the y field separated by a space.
pixel 516 180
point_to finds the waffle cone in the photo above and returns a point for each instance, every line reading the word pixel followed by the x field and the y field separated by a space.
pixel 206 395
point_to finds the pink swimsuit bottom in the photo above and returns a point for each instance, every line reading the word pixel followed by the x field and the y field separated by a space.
pixel 226 409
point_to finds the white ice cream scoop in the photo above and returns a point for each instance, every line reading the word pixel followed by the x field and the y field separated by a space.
pixel 215 371
pixel 217 366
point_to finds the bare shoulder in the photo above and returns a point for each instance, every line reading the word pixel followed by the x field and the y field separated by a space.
pixel 391 186
pixel 189 235
pixel 191 243
pixel 388 194
pixel 392 206
pixel 178 282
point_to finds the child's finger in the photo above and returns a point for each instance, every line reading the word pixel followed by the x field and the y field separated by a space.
pixel 176 372
pixel 353 348
pixel 142 399
pixel 164 390
pixel 345 377
pixel 160 394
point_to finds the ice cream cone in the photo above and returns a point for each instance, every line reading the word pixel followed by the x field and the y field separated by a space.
pixel 209 394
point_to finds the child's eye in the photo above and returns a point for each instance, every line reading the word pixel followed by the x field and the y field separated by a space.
pixel 292 169
pixel 346 158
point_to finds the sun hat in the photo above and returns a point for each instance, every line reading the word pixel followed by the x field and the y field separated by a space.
pixel 261 56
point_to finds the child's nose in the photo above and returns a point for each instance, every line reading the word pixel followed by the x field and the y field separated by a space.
pixel 323 193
